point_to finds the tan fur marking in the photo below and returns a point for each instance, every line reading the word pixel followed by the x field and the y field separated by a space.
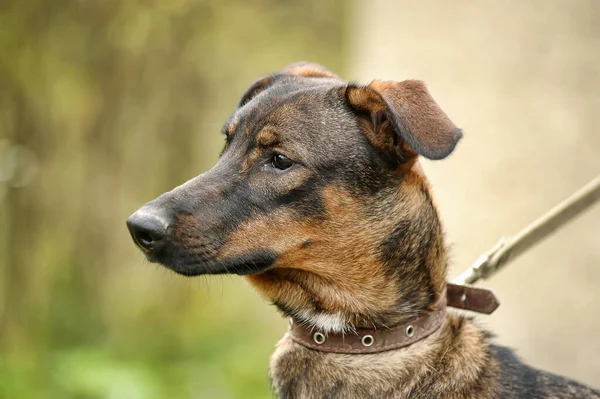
pixel 267 138
pixel 251 159
pixel 230 129
pixel 308 70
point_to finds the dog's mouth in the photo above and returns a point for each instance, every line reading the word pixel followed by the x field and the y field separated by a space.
pixel 194 263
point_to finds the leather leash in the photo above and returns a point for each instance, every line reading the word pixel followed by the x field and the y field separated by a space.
pixel 368 340
pixel 509 248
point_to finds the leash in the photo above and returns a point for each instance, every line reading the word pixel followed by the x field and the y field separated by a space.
pixel 509 248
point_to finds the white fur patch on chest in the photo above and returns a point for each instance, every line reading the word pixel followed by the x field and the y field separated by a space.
pixel 324 322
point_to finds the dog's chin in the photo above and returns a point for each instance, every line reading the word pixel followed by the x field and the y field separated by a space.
pixel 193 265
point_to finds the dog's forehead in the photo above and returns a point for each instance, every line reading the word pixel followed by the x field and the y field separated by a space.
pixel 308 117
pixel 287 102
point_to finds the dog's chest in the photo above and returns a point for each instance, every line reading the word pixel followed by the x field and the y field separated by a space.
pixel 298 372
pixel 451 363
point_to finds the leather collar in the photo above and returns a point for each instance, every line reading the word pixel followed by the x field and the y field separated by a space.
pixel 367 340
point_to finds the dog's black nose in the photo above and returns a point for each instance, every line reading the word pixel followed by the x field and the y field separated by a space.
pixel 148 229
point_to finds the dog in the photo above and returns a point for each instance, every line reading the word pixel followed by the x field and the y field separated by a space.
pixel 319 201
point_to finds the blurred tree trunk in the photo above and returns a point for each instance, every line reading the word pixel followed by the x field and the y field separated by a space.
pixel 110 103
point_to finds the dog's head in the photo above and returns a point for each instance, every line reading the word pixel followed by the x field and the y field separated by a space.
pixel 317 196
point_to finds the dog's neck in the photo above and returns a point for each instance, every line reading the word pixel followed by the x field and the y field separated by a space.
pixel 343 321
pixel 382 273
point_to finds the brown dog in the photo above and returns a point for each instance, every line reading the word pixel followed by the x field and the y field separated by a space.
pixel 319 200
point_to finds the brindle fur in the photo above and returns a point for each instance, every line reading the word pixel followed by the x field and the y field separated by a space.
pixel 348 237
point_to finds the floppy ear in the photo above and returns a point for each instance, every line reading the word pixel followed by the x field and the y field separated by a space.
pixel 255 88
pixel 308 70
pixel 303 69
pixel 405 110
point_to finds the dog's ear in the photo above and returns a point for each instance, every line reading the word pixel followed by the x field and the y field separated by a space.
pixel 303 69
pixel 308 70
pixel 404 110
pixel 255 88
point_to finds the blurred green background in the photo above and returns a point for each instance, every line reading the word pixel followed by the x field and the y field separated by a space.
pixel 104 104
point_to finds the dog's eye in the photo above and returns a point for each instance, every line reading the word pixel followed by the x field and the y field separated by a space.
pixel 282 162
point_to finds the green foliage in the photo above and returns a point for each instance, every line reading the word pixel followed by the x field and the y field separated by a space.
pixel 104 104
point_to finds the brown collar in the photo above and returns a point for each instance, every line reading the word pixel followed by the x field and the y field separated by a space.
pixel 367 340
